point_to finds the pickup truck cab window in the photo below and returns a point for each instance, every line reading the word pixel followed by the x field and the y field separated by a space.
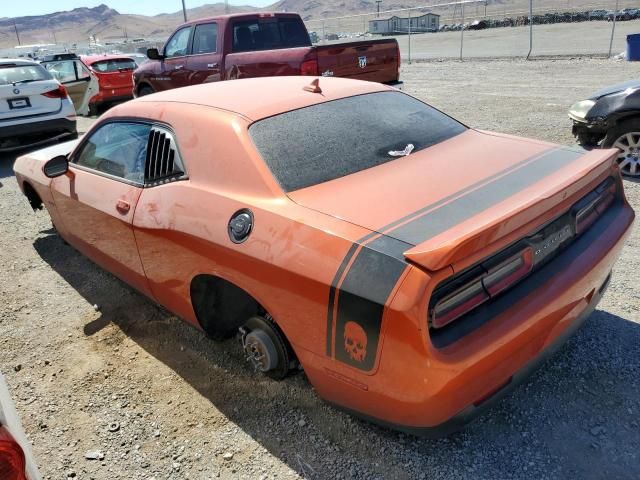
pixel 179 44
pixel 269 33
pixel 118 149
pixel 205 39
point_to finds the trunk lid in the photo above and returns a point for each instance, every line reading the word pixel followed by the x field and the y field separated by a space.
pixel 372 60
pixel 450 200
pixel 26 99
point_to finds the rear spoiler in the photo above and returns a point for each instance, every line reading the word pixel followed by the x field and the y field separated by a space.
pixel 496 223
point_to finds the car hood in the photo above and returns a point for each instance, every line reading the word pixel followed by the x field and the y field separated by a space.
pixel 460 195
pixel 620 87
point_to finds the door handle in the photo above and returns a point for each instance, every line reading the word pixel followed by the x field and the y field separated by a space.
pixel 123 207
pixel 212 65
pixel 178 67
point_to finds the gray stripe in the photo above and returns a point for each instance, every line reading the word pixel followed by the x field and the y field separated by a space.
pixel 448 216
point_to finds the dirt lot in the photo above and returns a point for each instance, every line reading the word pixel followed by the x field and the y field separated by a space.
pixel 96 367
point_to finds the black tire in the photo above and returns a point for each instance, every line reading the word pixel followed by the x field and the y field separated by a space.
pixel 145 90
pixel 267 325
pixel 629 158
pixel 93 110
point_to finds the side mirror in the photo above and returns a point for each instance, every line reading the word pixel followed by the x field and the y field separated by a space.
pixel 153 54
pixel 56 166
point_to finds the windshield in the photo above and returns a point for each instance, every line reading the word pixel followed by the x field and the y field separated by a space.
pixel 22 74
pixel 322 142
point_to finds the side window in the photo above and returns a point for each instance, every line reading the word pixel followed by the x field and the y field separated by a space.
pixel 205 38
pixel 67 71
pixel 179 43
pixel 117 149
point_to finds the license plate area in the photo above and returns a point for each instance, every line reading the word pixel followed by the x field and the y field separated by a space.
pixel 19 103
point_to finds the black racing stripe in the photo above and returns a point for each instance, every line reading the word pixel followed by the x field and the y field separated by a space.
pixel 378 266
pixel 471 187
pixel 332 295
pixel 363 294
pixel 447 216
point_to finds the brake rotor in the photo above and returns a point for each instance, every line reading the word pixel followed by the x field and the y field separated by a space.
pixel 260 350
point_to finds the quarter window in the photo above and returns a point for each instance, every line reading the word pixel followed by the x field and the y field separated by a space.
pixel 179 43
pixel 118 149
pixel 205 38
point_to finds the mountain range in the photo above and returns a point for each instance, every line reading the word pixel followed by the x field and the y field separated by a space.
pixel 105 23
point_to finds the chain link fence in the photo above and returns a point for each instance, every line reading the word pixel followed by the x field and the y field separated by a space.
pixel 479 29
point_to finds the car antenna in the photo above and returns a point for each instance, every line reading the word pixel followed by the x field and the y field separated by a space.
pixel 313 87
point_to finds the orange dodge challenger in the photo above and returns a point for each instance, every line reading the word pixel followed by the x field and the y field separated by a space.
pixel 415 268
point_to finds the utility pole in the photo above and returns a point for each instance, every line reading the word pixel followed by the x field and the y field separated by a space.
pixel 378 2
pixel 226 6
pixel 184 11
pixel 17 34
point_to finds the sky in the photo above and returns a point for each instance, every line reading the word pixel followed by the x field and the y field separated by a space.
pixel 143 7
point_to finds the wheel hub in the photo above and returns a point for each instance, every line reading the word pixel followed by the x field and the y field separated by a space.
pixel 260 351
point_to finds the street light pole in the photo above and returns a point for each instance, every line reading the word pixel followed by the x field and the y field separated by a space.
pixel 184 11
pixel 378 2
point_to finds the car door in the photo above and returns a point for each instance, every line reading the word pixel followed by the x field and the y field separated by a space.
pixel 174 66
pixel 205 59
pixel 97 197
pixel 80 83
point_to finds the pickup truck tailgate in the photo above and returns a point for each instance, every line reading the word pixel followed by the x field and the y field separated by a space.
pixel 372 60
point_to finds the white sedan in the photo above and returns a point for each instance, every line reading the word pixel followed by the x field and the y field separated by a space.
pixel 35 107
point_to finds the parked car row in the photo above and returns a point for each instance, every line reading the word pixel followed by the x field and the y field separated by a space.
pixel 547 18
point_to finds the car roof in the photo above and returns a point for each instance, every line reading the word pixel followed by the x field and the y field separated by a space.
pixel 17 61
pixel 91 59
pixel 257 98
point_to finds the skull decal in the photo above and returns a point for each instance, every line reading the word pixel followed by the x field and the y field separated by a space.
pixel 355 341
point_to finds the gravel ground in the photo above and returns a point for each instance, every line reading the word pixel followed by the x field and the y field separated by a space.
pixel 98 371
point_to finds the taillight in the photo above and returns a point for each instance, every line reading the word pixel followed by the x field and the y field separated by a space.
pixel 482 288
pixel 472 288
pixel 309 67
pixel 594 205
pixel 59 92
pixel 457 304
pixel 12 461
pixel 399 61
pixel 508 272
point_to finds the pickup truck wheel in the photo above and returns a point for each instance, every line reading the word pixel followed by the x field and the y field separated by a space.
pixel 626 138
pixel 146 90
pixel 265 347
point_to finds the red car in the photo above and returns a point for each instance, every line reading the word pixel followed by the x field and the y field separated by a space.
pixel 114 76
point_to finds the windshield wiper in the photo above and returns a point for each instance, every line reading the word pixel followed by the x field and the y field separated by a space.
pixel 402 153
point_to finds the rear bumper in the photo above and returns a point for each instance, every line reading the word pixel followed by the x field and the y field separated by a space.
pixel 472 411
pixel 55 125
pixel 122 96
pixel 36 133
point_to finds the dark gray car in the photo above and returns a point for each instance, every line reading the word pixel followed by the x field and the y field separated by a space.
pixel 611 118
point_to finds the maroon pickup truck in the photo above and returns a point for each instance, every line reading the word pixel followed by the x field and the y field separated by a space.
pixel 260 45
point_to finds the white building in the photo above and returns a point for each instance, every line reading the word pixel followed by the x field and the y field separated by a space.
pixel 428 22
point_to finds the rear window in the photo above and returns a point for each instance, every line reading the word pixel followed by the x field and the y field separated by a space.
pixel 106 66
pixel 322 142
pixel 269 34
pixel 22 74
